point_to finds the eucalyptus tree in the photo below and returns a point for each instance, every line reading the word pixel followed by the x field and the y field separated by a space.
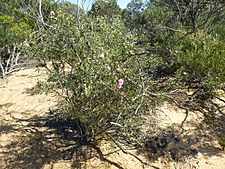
pixel 194 14
pixel 105 8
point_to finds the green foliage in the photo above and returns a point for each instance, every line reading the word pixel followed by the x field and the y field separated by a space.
pixel 92 73
pixel 219 31
pixel 8 7
pixel 69 8
pixel 12 32
pixel 132 15
pixel 202 55
pixel 153 24
pixel 106 8
pixel 158 15
pixel 193 14
pixel 14 27
pixel 160 25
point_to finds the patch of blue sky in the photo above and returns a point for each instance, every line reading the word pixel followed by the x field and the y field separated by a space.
pixel 87 4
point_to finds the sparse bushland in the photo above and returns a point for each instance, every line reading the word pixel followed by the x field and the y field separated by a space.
pixel 109 70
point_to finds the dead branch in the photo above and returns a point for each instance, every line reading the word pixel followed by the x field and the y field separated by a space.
pixel 11 61
pixel 101 156
pixel 220 99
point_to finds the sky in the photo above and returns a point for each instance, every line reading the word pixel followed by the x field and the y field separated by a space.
pixel 122 3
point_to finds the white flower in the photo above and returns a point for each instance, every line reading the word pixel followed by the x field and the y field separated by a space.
pixel 52 14
pixel 102 55
pixel 25 43
pixel 120 83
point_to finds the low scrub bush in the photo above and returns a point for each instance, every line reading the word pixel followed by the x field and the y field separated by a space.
pixel 96 79
pixel 201 58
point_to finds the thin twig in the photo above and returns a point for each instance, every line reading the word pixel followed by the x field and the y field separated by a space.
pixel 101 156
pixel 220 99
pixel 185 118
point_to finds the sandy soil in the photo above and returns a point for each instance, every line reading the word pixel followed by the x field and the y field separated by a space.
pixel 26 144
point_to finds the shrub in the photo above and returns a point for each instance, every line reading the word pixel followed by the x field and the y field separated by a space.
pixel 201 57
pixel 92 73
pixel 13 33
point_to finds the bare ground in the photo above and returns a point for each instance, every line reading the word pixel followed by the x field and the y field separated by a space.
pixel 25 143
